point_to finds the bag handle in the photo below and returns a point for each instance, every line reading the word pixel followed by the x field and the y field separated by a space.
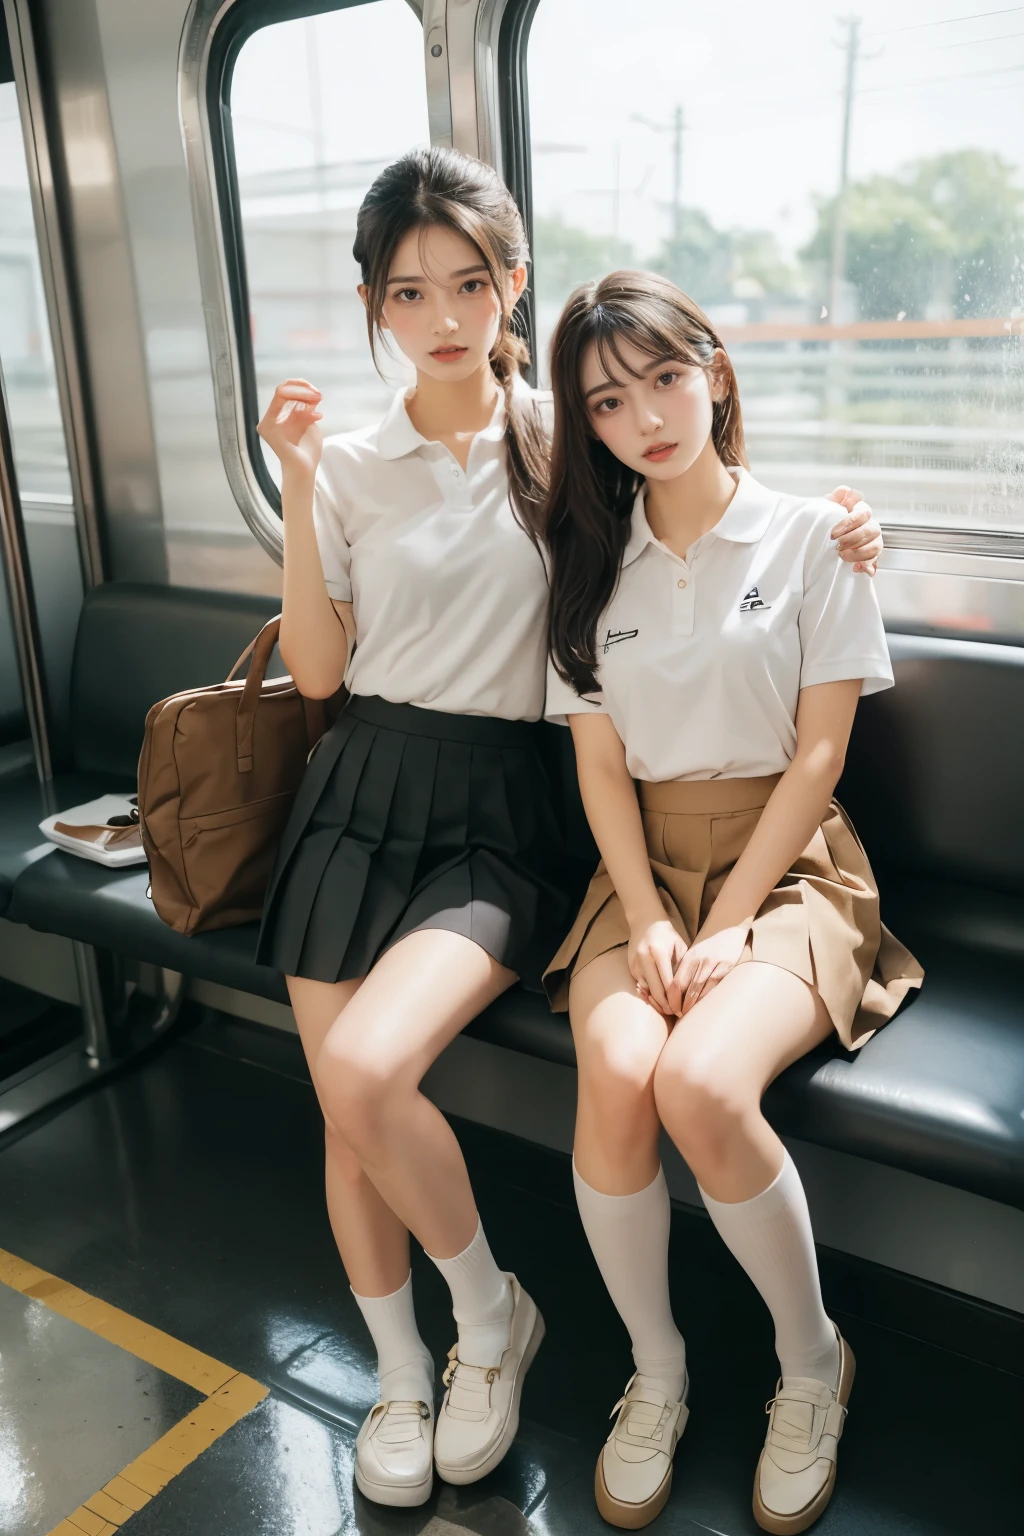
pixel 261 649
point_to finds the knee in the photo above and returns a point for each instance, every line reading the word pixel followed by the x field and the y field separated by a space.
pixel 360 1090
pixel 616 1087
pixel 341 1158
pixel 701 1102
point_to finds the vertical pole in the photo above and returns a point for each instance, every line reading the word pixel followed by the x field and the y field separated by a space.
pixel 677 192
pixel 98 1046
pixel 316 113
pixel 14 548
pixel 838 276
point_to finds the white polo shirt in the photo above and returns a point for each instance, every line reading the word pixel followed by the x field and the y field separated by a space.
pixel 701 661
pixel 449 593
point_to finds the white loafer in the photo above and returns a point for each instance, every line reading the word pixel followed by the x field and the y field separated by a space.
pixel 395 1453
pixel 479 1416
pixel 796 1472
pixel 634 1470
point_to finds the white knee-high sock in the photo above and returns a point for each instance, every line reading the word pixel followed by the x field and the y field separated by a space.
pixel 629 1238
pixel 403 1360
pixel 481 1301
pixel 771 1237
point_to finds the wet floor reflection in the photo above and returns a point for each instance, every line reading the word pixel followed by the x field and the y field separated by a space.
pixel 74 1410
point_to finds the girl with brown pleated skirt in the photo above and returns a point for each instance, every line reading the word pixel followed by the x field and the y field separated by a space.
pixel 708 652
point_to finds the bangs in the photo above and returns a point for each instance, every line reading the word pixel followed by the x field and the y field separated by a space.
pixel 657 331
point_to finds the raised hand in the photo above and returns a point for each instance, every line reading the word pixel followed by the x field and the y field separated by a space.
pixel 290 425
pixel 858 536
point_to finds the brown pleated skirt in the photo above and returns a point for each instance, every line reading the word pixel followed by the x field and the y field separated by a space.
pixel 821 921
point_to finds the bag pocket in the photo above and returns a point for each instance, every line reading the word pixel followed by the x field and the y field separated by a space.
pixel 229 856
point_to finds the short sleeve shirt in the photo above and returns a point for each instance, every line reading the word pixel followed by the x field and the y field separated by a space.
pixel 449 593
pixel 700 662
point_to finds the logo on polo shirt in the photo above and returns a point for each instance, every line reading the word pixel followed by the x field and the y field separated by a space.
pixel 615 635
pixel 753 600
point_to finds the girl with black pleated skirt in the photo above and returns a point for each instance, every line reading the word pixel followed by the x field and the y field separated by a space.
pixel 423 869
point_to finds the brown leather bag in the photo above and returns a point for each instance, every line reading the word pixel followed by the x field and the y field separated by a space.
pixel 218 772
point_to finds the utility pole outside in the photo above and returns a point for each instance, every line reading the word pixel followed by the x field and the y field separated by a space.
pixel 838 275
pixel 676 127
pixel 677 175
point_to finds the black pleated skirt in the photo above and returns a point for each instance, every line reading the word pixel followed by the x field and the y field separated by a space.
pixel 411 819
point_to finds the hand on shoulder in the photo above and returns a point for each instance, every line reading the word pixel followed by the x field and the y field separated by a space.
pixel 858 535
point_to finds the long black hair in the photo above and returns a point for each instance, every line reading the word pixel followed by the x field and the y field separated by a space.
pixel 587 516
pixel 446 188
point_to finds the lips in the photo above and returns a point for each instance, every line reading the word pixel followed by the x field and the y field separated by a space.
pixel 658 452
pixel 449 354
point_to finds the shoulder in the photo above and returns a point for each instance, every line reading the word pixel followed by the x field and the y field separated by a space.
pixel 360 446
pixel 803 524
pixel 350 465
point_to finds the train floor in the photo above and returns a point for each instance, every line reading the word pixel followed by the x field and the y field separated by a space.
pixel 179 1348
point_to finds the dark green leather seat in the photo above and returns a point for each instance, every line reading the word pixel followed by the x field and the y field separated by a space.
pixel 933 784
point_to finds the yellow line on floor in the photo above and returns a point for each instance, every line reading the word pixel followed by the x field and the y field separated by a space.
pixel 149 1344
pixel 229 1396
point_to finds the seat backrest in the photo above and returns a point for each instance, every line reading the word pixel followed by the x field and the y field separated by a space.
pixel 137 644
pixel 934 774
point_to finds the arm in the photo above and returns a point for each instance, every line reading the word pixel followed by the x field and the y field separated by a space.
pixel 609 799
pixel 858 536
pixel 315 631
pixel 824 720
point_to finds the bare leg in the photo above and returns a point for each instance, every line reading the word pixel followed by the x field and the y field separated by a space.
pixel 708 1085
pixel 417 998
pixel 620 1188
pixel 618 1042
pixel 719 1060
pixel 372 1241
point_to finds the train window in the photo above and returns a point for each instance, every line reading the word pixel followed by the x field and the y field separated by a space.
pixel 846 199
pixel 25 351
pixel 314 117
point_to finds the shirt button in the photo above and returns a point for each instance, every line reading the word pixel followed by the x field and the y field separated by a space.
pixel 455 472
pixel 681 582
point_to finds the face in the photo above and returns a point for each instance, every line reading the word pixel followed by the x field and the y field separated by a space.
pixel 659 423
pixel 441 306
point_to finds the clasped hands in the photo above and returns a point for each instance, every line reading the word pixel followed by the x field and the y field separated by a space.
pixel 671 975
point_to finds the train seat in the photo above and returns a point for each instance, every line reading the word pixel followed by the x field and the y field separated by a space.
pixel 931 781
pixel 135 644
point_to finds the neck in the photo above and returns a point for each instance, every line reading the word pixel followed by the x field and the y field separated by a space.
pixel 680 510
pixel 438 409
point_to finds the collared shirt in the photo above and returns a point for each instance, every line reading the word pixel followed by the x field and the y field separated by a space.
pixel 449 593
pixel 700 661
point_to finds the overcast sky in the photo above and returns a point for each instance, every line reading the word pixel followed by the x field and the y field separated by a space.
pixel 760 86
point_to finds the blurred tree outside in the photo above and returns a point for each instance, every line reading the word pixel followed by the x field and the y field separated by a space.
pixel 565 256
pixel 942 238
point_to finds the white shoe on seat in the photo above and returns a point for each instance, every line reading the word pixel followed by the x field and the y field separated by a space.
pixel 634 1470
pixel 796 1472
pixel 479 1416
pixel 395 1453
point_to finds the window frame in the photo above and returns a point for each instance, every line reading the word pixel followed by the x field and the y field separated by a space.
pixel 213 36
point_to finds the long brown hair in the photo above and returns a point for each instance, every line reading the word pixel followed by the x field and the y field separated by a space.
pixel 587 516
pixel 447 188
